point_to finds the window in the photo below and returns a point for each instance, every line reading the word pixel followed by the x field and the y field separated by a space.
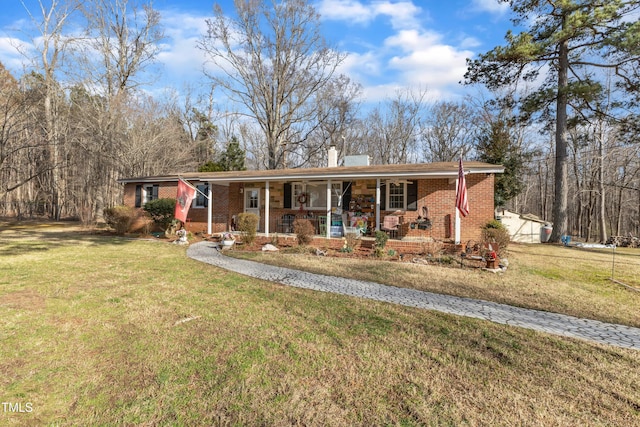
pixel 201 201
pixel 146 193
pixel 252 198
pixel 396 196
pixel 399 195
pixel 315 194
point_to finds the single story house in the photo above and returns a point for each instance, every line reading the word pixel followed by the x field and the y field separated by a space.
pixel 411 201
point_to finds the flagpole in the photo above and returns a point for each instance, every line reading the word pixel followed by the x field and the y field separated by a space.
pixel 209 197
pixel 457 230
pixel 196 188
pixel 462 204
pixel 209 209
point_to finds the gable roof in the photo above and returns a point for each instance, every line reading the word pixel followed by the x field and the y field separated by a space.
pixel 414 170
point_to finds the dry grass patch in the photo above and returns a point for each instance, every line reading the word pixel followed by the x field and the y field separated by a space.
pixel 107 348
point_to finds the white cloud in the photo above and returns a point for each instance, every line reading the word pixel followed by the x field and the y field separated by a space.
pixel 494 7
pixel 424 60
pixel 401 14
pixel 345 10
pixel 468 42
pixel 179 55
pixel 410 56
pixel 433 66
pixel 362 65
pixel 11 56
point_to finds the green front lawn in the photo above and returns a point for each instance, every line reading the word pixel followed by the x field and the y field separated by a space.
pixel 106 331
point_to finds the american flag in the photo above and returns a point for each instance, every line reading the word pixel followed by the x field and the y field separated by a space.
pixel 462 203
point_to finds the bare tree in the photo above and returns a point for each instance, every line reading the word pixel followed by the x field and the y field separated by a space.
pixel 122 41
pixel 52 44
pixel 156 141
pixel 272 60
pixel 125 34
pixel 449 131
pixel 391 131
pixel 337 109
pixel 12 122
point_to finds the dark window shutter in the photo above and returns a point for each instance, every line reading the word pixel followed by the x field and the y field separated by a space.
pixel 201 199
pixel 383 196
pixel 287 195
pixel 412 196
pixel 346 198
pixel 138 196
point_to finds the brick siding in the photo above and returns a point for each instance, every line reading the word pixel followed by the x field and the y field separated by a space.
pixel 438 195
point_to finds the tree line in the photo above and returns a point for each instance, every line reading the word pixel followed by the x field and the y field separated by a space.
pixel 82 116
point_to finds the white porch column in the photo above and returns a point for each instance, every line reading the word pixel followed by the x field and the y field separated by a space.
pixel 209 207
pixel 378 204
pixel 327 233
pixel 266 208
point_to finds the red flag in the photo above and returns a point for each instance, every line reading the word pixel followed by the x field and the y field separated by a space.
pixel 462 203
pixel 186 193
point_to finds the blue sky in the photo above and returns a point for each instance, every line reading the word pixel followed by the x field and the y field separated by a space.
pixel 392 44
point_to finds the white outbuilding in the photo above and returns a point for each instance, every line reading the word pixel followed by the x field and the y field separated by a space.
pixel 523 228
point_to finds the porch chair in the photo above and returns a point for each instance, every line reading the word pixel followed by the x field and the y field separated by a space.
pixel 390 225
pixel 322 225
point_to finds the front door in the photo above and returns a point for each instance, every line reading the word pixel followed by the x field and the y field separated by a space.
pixel 252 201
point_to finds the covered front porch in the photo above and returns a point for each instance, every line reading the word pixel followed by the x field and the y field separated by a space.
pixel 404 206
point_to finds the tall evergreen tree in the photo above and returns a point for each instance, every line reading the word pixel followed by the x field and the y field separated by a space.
pixel 573 42
pixel 232 159
pixel 496 146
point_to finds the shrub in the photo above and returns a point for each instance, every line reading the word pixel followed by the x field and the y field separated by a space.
pixel 495 232
pixel 380 243
pixel 146 222
pixel 352 241
pixel 433 248
pixel 349 242
pixel 161 211
pixel 447 259
pixel 304 231
pixel 120 218
pixel 494 224
pixel 248 226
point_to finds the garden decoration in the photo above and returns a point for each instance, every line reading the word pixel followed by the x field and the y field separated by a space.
pixel 228 239
pixel 302 200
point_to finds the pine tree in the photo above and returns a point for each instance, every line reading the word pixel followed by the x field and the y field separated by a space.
pixel 574 42
pixel 496 146
pixel 232 159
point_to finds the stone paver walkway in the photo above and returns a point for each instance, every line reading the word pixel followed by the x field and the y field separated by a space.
pixel 559 324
